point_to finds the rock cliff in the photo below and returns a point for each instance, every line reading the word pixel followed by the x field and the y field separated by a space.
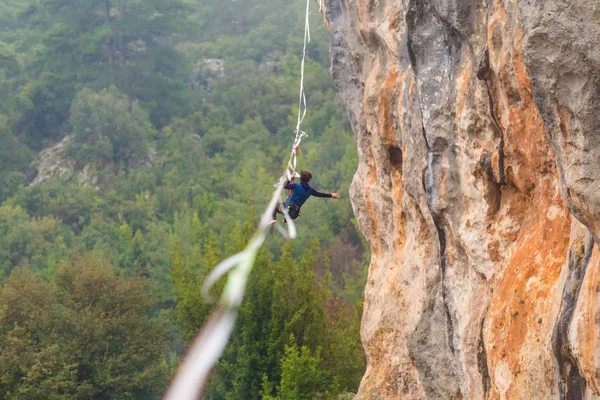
pixel 478 189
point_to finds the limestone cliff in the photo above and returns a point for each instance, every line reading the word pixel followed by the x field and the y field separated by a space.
pixel 478 189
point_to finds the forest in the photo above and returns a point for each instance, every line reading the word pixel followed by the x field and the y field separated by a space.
pixel 139 144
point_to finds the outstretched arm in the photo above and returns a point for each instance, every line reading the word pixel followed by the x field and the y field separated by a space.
pixel 316 193
pixel 290 186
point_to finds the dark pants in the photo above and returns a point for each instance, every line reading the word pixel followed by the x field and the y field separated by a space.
pixel 292 209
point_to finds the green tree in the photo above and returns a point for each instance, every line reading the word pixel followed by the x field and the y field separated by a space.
pixel 70 203
pixel 301 377
pixel 86 334
pixel 283 327
pixel 45 105
pixel 14 157
pixel 129 44
pixel 188 273
pixel 108 126
pixel 9 71
pixel 37 243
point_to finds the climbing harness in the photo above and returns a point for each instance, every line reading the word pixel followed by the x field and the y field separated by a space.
pixel 292 209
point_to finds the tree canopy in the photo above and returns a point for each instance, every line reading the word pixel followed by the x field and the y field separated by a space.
pixel 108 127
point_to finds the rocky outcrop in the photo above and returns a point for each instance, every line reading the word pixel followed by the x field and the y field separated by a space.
pixel 205 72
pixel 478 189
pixel 55 162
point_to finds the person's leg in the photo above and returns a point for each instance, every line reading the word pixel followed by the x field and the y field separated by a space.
pixel 277 210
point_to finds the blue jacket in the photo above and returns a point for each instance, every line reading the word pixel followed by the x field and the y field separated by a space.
pixel 301 192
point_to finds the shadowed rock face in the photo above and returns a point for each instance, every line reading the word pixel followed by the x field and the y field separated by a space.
pixel 478 189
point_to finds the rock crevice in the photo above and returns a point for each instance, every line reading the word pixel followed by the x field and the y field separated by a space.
pixel 572 385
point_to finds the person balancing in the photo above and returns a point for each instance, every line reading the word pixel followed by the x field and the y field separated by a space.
pixel 300 193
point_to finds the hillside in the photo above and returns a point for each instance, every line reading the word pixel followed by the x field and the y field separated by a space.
pixel 137 141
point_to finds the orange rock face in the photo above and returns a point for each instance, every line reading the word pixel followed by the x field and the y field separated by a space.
pixel 478 189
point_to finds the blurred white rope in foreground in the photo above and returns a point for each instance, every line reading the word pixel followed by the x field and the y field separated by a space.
pixel 212 339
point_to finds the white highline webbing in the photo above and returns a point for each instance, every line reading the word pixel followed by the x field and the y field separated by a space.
pixel 302 97
pixel 212 339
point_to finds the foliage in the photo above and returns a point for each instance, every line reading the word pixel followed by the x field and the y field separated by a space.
pixel 37 243
pixel 108 127
pixel 14 157
pixel 9 71
pixel 125 43
pixel 45 103
pixel 86 334
pixel 301 377
pixel 287 308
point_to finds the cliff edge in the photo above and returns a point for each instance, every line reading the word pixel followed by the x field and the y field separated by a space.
pixel 478 189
